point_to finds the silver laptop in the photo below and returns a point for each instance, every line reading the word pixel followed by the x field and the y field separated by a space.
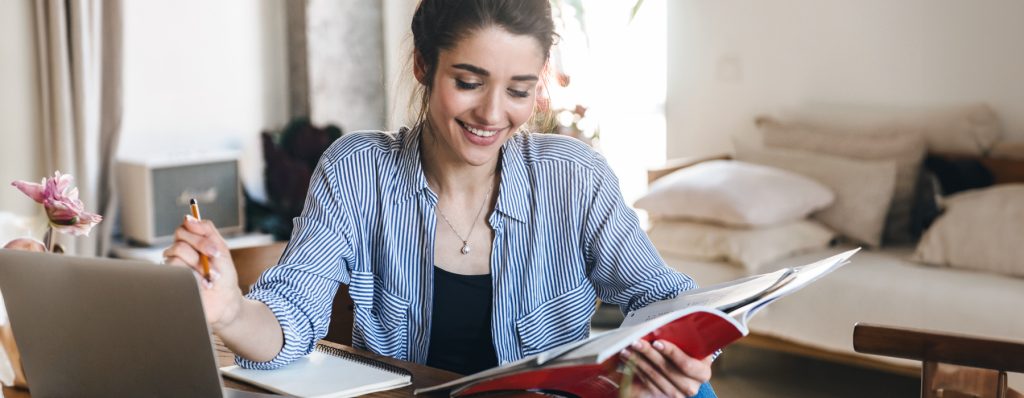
pixel 96 327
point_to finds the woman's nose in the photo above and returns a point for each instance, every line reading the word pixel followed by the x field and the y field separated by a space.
pixel 489 110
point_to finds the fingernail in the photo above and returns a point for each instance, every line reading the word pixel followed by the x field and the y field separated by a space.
pixel 207 284
pixel 213 252
pixel 659 345
pixel 636 344
pixel 191 219
pixel 624 353
pixel 214 275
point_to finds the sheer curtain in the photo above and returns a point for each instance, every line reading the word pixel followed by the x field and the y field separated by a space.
pixel 78 45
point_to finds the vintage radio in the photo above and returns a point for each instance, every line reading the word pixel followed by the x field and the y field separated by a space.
pixel 154 194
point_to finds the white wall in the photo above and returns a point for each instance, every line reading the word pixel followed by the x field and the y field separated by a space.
pixel 729 60
pixel 398 81
pixel 20 146
pixel 204 75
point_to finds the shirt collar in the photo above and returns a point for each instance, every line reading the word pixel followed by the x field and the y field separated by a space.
pixel 513 191
pixel 412 180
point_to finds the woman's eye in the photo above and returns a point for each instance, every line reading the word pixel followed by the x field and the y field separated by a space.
pixel 466 85
pixel 518 93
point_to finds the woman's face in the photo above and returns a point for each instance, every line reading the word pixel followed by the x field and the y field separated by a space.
pixel 483 91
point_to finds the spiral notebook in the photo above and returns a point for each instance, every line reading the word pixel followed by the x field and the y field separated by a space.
pixel 326 372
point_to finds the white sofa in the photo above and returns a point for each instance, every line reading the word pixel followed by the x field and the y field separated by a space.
pixel 880 286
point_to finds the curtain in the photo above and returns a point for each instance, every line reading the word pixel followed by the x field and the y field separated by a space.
pixel 78 46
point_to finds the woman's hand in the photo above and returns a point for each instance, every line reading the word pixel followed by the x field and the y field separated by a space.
pixel 663 370
pixel 222 299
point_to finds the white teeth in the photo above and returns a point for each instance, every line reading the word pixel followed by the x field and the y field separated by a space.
pixel 482 133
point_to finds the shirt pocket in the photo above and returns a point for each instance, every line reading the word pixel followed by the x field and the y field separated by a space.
pixel 560 320
pixel 382 316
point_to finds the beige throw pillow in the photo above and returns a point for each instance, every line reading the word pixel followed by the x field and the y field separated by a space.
pixel 751 248
pixel 734 193
pixel 981 229
pixel 863 188
pixel 904 147
pixel 969 129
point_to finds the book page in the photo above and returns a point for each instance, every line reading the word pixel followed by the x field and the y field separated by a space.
pixel 320 374
pixel 743 297
pixel 529 362
pixel 722 296
pixel 802 276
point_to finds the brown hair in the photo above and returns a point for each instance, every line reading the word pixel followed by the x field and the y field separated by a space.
pixel 439 25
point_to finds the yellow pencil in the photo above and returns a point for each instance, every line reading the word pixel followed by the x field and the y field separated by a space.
pixel 202 258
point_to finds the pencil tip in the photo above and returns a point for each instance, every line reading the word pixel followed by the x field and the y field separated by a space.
pixel 192 201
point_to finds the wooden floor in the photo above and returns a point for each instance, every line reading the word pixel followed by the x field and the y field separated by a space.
pixel 754 373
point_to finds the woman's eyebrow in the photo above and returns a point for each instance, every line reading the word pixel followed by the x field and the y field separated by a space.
pixel 483 72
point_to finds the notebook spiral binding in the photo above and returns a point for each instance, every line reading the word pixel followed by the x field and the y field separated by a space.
pixel 363 360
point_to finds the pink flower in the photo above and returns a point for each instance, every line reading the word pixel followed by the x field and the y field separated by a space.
pixel 66 212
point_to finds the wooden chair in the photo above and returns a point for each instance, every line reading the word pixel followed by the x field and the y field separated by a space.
pixel 250 262
pixel 952 366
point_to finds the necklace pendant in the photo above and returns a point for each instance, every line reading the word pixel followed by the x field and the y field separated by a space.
pixel 465 248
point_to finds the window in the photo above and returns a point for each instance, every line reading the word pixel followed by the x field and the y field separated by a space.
pixel 617 70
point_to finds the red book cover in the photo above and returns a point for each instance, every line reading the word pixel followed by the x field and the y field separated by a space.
pixel 699 334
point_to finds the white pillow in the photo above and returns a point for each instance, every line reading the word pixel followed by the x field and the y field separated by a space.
pixel 734 193
pixel 981 229
pixel 863 188
pixel 752 248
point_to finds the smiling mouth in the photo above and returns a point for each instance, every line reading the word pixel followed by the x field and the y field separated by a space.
pixel 478 132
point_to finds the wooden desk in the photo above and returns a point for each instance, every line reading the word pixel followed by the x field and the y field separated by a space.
pixel 422 376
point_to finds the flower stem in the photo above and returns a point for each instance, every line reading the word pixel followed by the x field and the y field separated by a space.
pixel 48 239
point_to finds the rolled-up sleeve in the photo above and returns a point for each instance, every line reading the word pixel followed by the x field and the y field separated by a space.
pixel 300 289
pixel 624 266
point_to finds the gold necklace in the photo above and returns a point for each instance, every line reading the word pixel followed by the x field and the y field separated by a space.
pixel 465 241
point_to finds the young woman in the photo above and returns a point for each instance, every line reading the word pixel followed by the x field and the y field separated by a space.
pixel 465 241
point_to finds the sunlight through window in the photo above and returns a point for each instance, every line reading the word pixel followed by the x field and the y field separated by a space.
pixel 617 71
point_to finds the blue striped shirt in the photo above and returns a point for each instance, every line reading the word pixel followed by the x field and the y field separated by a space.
pixel 563 237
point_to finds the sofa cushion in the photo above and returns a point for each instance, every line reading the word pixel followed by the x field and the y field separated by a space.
pixel 884 287
pixel 981 230
pixel 734 193
pixel 750 248
pixel 904 147
pixel 863 188
pixel 970 129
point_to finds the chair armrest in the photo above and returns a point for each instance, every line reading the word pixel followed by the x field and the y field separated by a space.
pixel 955 349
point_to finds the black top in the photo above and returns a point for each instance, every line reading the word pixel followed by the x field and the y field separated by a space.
pixel 460 335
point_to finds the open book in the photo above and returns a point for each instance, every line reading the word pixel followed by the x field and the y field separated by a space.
pixel 326 372
pixel 700 322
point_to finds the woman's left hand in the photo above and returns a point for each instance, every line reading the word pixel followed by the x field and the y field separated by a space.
pixel 664 370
